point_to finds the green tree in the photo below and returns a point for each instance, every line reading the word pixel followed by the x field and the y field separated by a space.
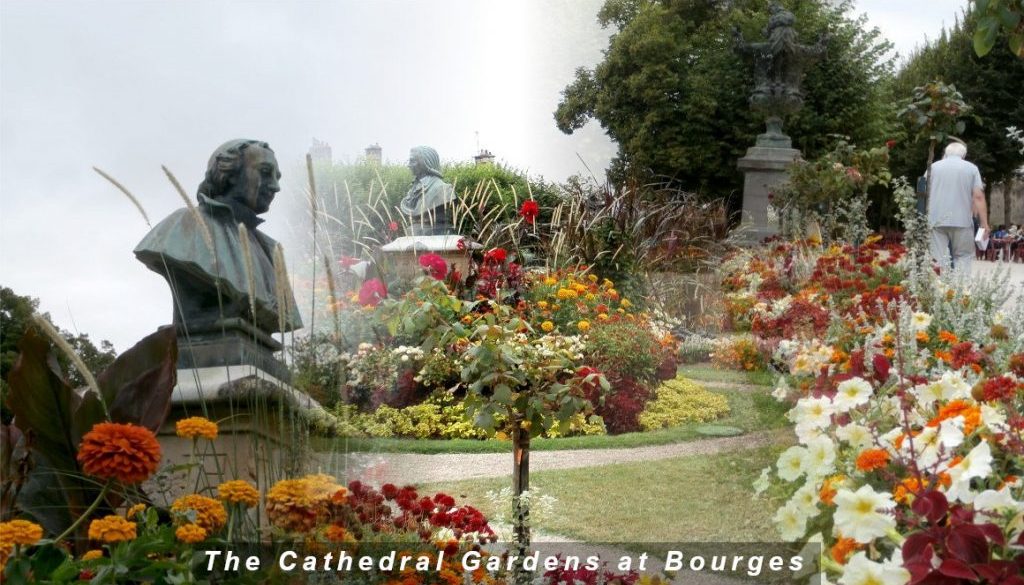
pixel 995 16
pixel 672 91
pixel 991 85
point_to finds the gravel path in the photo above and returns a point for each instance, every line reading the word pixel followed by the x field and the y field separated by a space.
pixel 408 468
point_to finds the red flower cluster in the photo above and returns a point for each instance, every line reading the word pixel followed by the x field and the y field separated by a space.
pixel 1000 388
pixel 584 576
pixel 347 262
pixel 529 210
pixel 436 266
pixel 964 354
pixel 372 292
pixel 495 256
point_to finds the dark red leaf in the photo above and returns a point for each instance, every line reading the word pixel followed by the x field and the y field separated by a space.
pixel 881 364
pixel 958 569
pixel 967 543
pixel 932 505
pixel 993 533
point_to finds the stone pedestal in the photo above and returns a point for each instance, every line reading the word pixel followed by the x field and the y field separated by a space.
pixel 764 168
pixel 403 253
pixel 264 428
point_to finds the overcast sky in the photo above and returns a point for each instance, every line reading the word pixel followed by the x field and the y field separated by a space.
pixel 127 86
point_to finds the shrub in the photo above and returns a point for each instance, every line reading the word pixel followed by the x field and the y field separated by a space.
pixel 624 349
pixel 739 353
pixel 681 401
pixel 622 407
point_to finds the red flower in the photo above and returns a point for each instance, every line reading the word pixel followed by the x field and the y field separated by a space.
pixel 496 255
pixel 461 244
pixel 348 262
pixel 530 210
pixel 372 292
pixel 393 226
pixel 435 265
pixel 890 143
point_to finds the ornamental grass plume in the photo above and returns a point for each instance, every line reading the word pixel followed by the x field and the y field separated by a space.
pixel 239 491
pixel 110 529
pixel 190 533
pixel 125 452
pixel 21 532
pixel 195 427
pixel 210 513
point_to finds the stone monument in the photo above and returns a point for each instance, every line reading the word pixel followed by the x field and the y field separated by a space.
pixel 428 209
pixel 779 64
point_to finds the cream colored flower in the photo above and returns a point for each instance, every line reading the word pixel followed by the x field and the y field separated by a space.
pixel 862 515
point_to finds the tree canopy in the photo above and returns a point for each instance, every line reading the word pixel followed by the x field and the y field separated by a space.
pixel 672 90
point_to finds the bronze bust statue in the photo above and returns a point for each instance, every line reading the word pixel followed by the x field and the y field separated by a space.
pixel 211 286
pixel 428 202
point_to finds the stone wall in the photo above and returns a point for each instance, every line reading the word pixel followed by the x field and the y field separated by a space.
pixel 995 208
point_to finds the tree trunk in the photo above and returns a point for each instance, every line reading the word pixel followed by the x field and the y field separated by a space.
pixel 520 484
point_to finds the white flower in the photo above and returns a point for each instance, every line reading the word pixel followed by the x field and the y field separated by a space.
pixel 806 500
pixel 920 321
pixel 814 412
pixel 860 515
pixel 851 394
pixel 996 501
pixel 993 418
pixel 781 389
pixel 977 463
pixel 860 570
pixel 791 463
pixel 951 432
pixel 790 522
pixel 856 435
pixel 761 483
pixel 951 386
pixel 821 457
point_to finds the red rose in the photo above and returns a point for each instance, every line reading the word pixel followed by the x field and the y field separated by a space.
pixel 530 210
pixel 496 256
pixel 435 265
pixel 372 292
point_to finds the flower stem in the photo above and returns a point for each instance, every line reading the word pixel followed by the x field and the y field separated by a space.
pixel 92 508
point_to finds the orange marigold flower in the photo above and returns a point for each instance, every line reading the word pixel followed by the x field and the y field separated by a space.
pixel 296 504
pixel 955 408
pixel 20 532
pixel 872 459
pixel 922 337
pixel 92 555
pixel 196 426
pixel 948 337
pixel 905 490
pixel 583 326
pixel 335 533
pixel 190 533
pixel 136 509
pixel 125 452
pixel 239 491
pixel 111 529
pixel 210 513
pixel 827 493
pixel 843 548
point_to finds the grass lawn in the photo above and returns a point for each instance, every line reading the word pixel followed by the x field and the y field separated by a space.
pixel 748 410
pixel 707 373
pixel 688 499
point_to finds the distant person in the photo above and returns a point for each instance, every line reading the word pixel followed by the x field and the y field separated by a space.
pixel 957 195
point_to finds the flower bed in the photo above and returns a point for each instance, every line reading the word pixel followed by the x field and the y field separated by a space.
pixel 908 406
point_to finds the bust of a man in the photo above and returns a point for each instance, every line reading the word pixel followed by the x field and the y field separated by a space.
pixel 206 267
pixel 428 202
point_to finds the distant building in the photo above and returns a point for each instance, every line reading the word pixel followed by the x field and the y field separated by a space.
pixel 374 154
pixel 484 158
pixel 320 151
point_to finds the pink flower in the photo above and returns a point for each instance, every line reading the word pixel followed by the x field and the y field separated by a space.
pixel 435 265
pixel 393 226
pixel 853 174
pixel 530 210
pixel 372 292
pixel 461 244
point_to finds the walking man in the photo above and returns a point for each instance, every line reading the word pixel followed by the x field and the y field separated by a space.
pixel 957 196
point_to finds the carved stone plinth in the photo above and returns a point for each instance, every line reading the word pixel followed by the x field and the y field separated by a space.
pixel 764 168
pixel 403 253
pixel 264 427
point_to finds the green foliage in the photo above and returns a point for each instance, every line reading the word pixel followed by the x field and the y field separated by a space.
pixel 998 17
pixel 673 92
pixel 992 87
pixel 681 401
pixel 623 350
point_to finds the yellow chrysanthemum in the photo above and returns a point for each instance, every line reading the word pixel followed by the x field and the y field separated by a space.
pixel 547 326
pixel 551 281
pixel 296 504
pixel 111 529
pixel 92 555
pixel 239 491
pixel 210 513
pixel 542 304
pixel 335 533
pixel 190 533
pixel 196 426
pixel 592 277
pixel 602 317
pixel 136 509
pixel 20 532
pixel 625 304
pixel 566 293
pixel 583 326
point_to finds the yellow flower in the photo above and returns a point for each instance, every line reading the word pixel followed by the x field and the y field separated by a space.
pixel 551 281
pixel 190 533
pixel 602 316
pixel 111 529
pixel 20 532
pixel 136 509
pixel 92 555
pixel 592 277
pixel 239 491
pixel 196 426
pixel 591 297
pixel 583 326
pixel 547 326
pixel 467 319
pixel 579 288
pixel 626 304
pixel 567 293
pixel 295 504
pixel 542 304
pixel 210 513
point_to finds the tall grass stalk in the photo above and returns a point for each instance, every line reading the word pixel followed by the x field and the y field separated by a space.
pixel 62 344
pixel 127 193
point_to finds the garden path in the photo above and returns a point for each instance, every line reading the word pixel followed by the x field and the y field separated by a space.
pixel 408 468
pixel 986 269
